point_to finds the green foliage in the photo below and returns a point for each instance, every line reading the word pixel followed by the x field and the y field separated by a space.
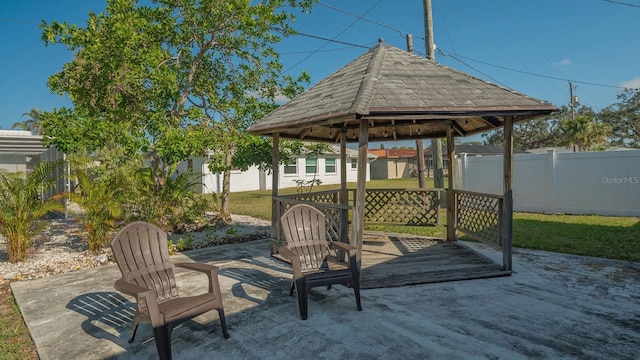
pixel 539 133
pixel 176 205
pixel 624 119
pixel 532 134
pixel 183 244
pixel 583 132
pixel 98 198
pixel 21 206
pixel 174 79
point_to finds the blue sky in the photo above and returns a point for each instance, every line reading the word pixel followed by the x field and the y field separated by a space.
pixel 533 47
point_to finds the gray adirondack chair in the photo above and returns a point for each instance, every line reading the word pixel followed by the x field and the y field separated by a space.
pixel 142 254
pixel 307 248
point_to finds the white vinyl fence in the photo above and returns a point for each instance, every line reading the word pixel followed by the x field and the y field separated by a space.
pixel 600 183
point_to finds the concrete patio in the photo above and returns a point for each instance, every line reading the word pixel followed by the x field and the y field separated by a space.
pixel 554 306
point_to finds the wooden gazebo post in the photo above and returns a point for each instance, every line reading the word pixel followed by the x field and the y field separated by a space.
pixel 357 224
pixel 451 205
pixel 275 208
pixel 508 193
pixel 344 195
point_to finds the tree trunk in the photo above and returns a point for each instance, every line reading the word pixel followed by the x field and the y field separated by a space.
pixel 225 202
pixel 158 172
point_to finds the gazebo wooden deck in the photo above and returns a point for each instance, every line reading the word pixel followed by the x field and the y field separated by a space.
pixel 390 260
pixel 390 94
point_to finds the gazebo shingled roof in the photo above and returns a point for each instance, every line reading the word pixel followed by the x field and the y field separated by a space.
pixel 403 96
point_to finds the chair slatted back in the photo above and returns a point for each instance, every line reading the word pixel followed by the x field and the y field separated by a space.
pixel 142 254
pixel 305 231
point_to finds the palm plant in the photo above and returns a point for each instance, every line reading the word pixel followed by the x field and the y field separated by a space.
pixel 584 132
pixel 98 198
pixel 32 124
pixel 21 206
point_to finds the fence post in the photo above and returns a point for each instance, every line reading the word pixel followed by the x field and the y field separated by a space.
pixel 463 171
pixel 552 180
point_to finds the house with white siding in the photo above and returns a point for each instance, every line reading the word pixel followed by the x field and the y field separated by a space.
pixel 325 168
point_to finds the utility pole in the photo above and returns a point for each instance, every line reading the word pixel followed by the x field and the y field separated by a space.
pixel 422 184
pixel 572 105
pixel 436 144
pixel 572 101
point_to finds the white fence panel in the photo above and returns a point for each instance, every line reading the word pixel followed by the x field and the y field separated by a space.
pixel 602 183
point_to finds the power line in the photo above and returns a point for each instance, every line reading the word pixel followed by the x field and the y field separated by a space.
pixel 459 58
pixel 351 46
pixel 446 53
pixel 361 17
pixel 19 21
pixel 334 38
pixel 515 24
pixel 621 3
pixel 471 67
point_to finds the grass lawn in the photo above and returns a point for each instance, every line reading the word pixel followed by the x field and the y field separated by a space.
pixel 15 341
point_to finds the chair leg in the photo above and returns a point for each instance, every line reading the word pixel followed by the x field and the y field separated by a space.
pixel 223 322
pixel 163 342
pixel 302 298
pixel 293 286
pixel 356 290
pixel 133 331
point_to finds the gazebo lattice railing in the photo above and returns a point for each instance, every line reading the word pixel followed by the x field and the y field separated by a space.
pixel 477 215
pixel 481 216
pixel 402 206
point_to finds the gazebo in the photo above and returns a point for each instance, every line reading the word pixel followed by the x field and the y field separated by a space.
pixel 390 94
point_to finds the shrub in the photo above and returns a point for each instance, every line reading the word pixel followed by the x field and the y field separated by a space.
pixel 175 205
pixel 98 198
pixel 21 206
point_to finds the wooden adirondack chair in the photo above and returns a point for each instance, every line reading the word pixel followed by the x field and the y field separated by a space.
pixel 142 254
pixel 307 248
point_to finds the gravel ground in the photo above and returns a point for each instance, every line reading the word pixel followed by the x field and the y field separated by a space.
pixel 62 247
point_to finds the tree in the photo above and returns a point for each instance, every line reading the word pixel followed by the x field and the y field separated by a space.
pixel 584 133
pixel 21 206
pixel 175 79
pixel 538 133
pixel 32 123
pixel 527 134
pixel 624 119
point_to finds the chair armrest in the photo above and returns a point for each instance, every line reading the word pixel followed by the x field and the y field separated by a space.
pixel 130 288
pixel 204 268
pixel 210 270
pixel 146 299
pixel 344 247
pixel 351 251
pixel 295 261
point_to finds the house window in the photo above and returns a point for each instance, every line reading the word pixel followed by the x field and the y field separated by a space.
pixel 330 165
pixel 291 167
pixel 354 164
pixel 311 166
